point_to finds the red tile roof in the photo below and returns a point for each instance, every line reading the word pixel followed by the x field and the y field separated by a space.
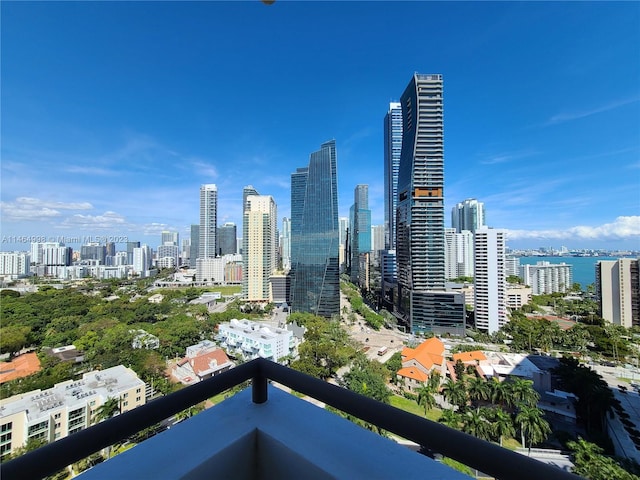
pixel 427 354
pixel 465 357
pixel 208 361
pixel 21 366
pixel 414 373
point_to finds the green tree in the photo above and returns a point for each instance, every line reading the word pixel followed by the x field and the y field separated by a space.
pixel 502 424
pixel 478 390
pixel 533 426
pixel 455 393
pixel 13 338
pixel 590 462
pixel 451 419
pixel 426 398
pixel 474 423
pixel 522 392
pixel 108 409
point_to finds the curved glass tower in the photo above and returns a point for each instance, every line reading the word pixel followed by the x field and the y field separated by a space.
pixel 315 284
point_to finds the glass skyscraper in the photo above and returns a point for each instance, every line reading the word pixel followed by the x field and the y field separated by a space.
pixel 315 286
pixel 208 221
pixel 468 215
pixel 392 151
pixel 361 234
pixel 423 303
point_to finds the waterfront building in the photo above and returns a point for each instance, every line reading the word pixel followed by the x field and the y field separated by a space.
pixel 545 277
pixel 490 286
pixel 360 219
pixel 392 153
pixel 259 254
pixel 227 239
pixel 423 304
pixel 66 408
pixel 468 215
pixel 254 339
pixel 512 266
pixel 208 221
pixel 618 291
pixel 315 286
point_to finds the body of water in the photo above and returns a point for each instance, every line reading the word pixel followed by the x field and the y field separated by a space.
pixel 584 268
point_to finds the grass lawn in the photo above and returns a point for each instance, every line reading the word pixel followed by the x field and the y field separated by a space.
pixel 412 407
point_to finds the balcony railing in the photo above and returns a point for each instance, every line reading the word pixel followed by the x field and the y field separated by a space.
pixel 479 454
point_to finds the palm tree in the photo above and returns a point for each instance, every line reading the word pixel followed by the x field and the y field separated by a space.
pixel 475 423
pixel 455 393
pixel 502 424
pixel 426 398
pixel 450 419
pixel 500 393
pixel 107 410
pixel 533 426
pixel 478 389
pixel 434 381
pixel 522 392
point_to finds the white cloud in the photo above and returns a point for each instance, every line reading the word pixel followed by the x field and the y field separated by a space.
pixel 506 157
pixel 568 116
pixel 108 220
pixel 624 227
pixel 29 208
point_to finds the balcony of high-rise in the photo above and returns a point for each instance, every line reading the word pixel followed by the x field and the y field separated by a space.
pixel 265 432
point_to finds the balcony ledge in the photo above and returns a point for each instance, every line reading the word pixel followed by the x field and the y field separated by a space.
pixel 284 437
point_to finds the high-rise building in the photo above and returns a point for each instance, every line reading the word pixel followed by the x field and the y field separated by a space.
pixel 227 238
pixel 360 219
pixel 195 245
pixel 315 286
pixel 618 291
pixel 490 281
pixel 142 260
pixel 343 233
pixel 547 277
pixel 170 238
pixel 260 255
pixel 208 221
pixel 468 215
pixel 285 244
pixel 377 238
pixel 458 253
pixel 392 152
pixel 423 304
pixel 93 251
pixel 130 247
pixel 168 255
pixel 14 264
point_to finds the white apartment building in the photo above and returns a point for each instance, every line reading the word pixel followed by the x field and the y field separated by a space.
pixel 618 291
pixel 142 260
pixel 458 261
pixel 210 270
pixel 546 277
pixel 512 266
pixel 253 340
pixel 14 264
pixel 66 408
pixel 490 280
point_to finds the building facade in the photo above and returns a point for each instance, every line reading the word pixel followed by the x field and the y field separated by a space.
pixel 195 245
pixel 546 277
pixel 208 221
pixel 618 291
pixel 66 408
pixel 315 286
pixel 227 239
pixel 468 215
pixel 253 340
pixel 490 284
pixel 360 218
pixel 260 254
pixel 423 304
pixel 285 244
pixel 392 153
pixel 14 264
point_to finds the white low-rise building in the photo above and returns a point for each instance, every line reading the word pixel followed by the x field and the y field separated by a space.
pixel 66 408
pixel 253 340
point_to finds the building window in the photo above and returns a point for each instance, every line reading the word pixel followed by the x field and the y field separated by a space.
pixel 6 427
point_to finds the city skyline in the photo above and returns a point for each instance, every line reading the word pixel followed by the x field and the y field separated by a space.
pixel 111 134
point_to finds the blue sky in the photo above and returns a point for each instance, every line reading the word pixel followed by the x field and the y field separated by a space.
pixel 113 114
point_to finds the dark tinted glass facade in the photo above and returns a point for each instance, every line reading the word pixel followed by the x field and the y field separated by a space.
pixel 315 286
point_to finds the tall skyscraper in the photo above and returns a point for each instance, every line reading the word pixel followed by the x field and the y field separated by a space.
pixel 315 284
pixel 423 303
pixel 618 291
pixel 377 238
pixel 208 221
pixel 286 244
pixel 392 152
pixel 490 281
pixel 130 247
pixel 260 256
pixel 227 239
pixel 468 215
pixel 170 238
pixel 344 230
pixel 361 234
pixel 195 245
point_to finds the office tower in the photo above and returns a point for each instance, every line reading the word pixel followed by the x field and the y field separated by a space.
pixel 227 238
pixel 377 238
pixel 360 219
pixel 260 255
pixel 468 215
pixel 194 248
pixel 546 277
pixel 286 244
pixel 110 249
pixel 208 221
pixel 170 238
pixel 392 152
pixel 130 247
pixel 618 291
pixel 423 304
pixel 315 286
pixel 490 283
